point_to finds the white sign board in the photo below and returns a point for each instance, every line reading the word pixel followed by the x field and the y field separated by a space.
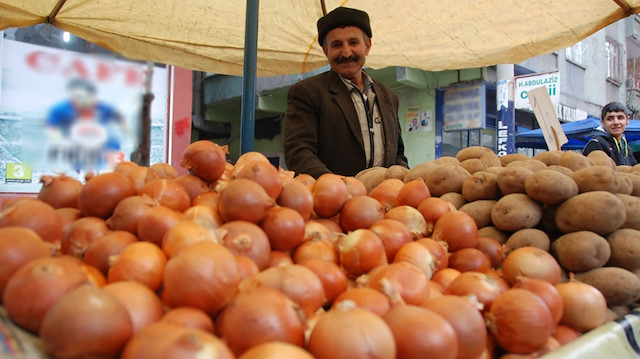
pixel 545 113
pixel 523 84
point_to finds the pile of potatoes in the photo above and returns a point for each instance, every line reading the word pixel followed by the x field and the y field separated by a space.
pixel 584 210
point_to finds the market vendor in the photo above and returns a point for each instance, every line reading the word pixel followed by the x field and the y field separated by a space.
pixel 342 121
pixel 609 136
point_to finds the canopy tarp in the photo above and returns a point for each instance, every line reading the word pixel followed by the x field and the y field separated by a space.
pixel 578 133
pixel 208 35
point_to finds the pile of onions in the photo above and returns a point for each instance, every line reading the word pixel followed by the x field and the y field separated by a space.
pixel 285 228
pixel 546 291
pixel 520 321
pixel 485 287
pixel 329 193
pixel 584 307
pixel 203 275
pixel 350 332
pixel 418 255
pixel 422 333
pixel 243 199
pixel 247 239
pixel 194 185
pixel 275 350
pixel 204 215
pixel 296 195
pixel 34 214
pixel 402 279
pixel 142 304
pixel 184 234
pixel 141 262
pixel 36 286
pixel 81 233
pixel 438 249
pixel 386 192
pixel 60 191
pixel 469 259
pixel 458 229
pixel 264 314
pixel 411 217
pixel 128 212
pixel 360 251
pixel 531 262
pixel 18 246
pixel 360 212
pixel 413 193
pixel 167 193
pixel 205 159
pixel 333 278
pixel 98 252
pixel 86 322
pixel 154 223
pixel 432 209
pixel 394 234
pixel 366 298
pixel 319 248
pixel 189 317
pixel 101 194
pixel 263 173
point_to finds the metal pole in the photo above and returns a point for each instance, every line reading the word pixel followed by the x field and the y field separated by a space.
pixel 247 114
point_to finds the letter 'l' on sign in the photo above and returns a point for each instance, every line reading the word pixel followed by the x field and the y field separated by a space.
pixel 546 116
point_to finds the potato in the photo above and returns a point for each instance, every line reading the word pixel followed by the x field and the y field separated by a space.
pixel 550 187
pixel 447 160
pixel 581 251
pixel 493 232
pixel 623 168
pixel 618 285
pixel 419 171
pixel 494 170
pixel 635 169
pixel 625 183
pixel 596 178
pixel 511 179
pixel 473 165
pixel 532 237
pixel 597 211
pixel 396 171
pixel 516 211
pixel 561 169
pixel 601 158
pixel 635 182
pixel 549 158
pixel 506 159
pixel 548 221
pixel 371 177
pixel 632 207
pixel 485 154
pixel 445 178
pixel 454 198
pixel 480 185
pixel 625 249
pixel 480 211
pixel 533 165
pixel 574 160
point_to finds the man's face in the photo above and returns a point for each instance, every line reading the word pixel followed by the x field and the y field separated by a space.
pixel 615 123
pixel 81 97
pixel 346 51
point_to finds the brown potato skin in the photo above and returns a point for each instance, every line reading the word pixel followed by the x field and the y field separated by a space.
pixel 480 211
pixel 618 285
pixel 529 237
pixel 597 211
pixel 512 179
pixel 625 248
pixel 516 211
pixel 550 187
pixel 596 178
pixel 581 251
pixel 481 185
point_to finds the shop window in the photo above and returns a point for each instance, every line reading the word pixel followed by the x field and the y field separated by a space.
pixel 614 60
pixel 574 53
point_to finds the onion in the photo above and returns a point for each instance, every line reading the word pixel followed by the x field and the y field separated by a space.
pixel 458 229
pixel 264 314
pixel 411 217
pixel 305 179
pixel 167 193
pixel 125 167
pixel 565 334
pixel 432 209
pixel 296 195
pixel 329 193
pixel 584 306
pixel 493 249
pixel 467 322
pixel 194 185
pixel 413 193
pixel 36 286
pixel 439 250
pixel 60 191
pixel 98 252
pixel 248 157
pixel 155 222
pixel 86 322
pixel 246 266
pixel 469 259
pixel 278 258
pixel 403 279
pixel 366 298
pixel 203 275
pixel 18 246
pixel 520 321
pixel 140 176
pixel 298 282
pixel 421 333
pixel 485 287
pixel 205 159
pixel 247 239
pixel 350 332
pixel 394 234
pixel 68 215
pixel 360 212
pixel 544 290
pixel 418 255
pixel 331 224
pixel 360 251
pixel 284 227
pixel 141 262
pixel 386 192
pixel 81 234
pixel 189 317
pixel 184 234
pixel 204 215
pixel 275 350
pixel 94 276
pixel 435 290
pixel 264 173
pixel 316 249
pixel 143 305
pixel 445 276
pixel 244 199
pixel 206 198
pixel 164 170
pixel 355 187
pixel 128 212
pixel 34 214
pixel 102 193
pixel 333 278
pixel 531 262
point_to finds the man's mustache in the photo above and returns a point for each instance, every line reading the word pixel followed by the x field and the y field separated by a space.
pixel 342 59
